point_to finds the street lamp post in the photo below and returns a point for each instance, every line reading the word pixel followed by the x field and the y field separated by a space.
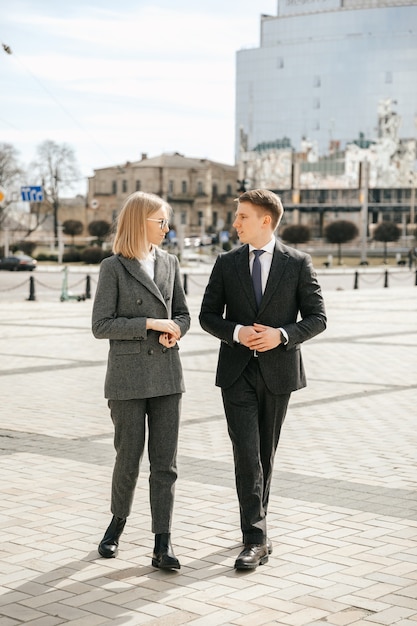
pixel 412 201
pixel 364 186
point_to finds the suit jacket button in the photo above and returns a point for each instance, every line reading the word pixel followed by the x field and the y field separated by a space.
pixel 150 351
pixel 139 301
pixel 164 349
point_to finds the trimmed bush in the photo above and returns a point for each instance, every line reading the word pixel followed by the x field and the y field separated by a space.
pixel 71 256
pixel 94 254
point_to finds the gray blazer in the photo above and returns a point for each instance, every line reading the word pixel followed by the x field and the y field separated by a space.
pixel 292 300
pixel 138 365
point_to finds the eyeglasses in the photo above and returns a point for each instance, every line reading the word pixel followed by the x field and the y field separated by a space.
pixel 164 223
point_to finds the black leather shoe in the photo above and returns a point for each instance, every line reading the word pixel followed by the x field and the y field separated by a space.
pixel 163 555
pixel 268 545
pixel 252 555
pixel 109 545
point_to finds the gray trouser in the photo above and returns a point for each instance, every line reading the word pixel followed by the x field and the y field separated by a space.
pixel 129 419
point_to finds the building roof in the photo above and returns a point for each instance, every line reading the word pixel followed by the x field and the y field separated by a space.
pixel 170 160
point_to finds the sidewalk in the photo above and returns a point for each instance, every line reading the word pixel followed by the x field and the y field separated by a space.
pixel 343 513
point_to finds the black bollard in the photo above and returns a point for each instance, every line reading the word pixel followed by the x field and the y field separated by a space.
pixel 31 289
pixel 87 287
pixel 186 284
pixel 356 284
pixel 386 279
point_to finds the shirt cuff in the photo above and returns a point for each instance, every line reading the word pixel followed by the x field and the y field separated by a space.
pixel 236 332
pixel 285 335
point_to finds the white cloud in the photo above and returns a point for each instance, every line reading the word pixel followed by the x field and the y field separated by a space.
pixel 116 82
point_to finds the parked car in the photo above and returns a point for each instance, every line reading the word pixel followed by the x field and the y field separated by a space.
pixel 18 263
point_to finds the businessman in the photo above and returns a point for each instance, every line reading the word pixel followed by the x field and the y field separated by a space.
pixel 262 301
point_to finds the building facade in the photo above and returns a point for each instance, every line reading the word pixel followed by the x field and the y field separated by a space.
pixel 201 192
pixel 321 70
pixel 332 89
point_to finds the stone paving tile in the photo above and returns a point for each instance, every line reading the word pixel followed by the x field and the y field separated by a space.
pixel 343 515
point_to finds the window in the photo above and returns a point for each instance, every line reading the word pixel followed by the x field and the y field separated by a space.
pixel 138 185
pixel 229 191
pixel 200 191
pixel 114 187
pixel 124 186
pixel 280 63
pixel 200 218
pixel 214 190
pixel 316 81
pixel 184 186
pixel 171 186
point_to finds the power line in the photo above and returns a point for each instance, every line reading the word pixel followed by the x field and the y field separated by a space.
pixel 9 51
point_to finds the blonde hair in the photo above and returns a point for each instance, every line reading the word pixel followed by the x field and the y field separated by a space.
pixel 130 240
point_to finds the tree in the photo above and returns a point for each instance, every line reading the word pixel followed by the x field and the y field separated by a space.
pixel 57 169
pixel 387 231
pixel 296 233
pixel 72 227
pixel 99 229
pixel 11 175
pixel 340 232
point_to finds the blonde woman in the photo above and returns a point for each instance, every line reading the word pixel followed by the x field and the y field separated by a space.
pixel 140 307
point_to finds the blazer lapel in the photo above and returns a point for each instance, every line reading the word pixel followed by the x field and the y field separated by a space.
pixel 161 273
pixel 279 262
pixel 134 268
pixel 243 273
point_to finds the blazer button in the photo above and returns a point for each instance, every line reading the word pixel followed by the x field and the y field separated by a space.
pixel 139 301
pixel 164 349
pixel 150 351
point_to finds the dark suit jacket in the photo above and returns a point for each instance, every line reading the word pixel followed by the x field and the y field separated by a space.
pixel 292 300
pixel 138 365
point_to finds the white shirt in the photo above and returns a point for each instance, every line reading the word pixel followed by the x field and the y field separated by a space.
pixel 148 263
pixel 266 262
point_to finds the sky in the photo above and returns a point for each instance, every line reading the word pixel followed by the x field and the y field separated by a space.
pixel 114 79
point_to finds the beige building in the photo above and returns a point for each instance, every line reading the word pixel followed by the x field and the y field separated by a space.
pixel 200 191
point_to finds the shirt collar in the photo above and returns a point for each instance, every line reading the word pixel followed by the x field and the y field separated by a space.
pixel 269 247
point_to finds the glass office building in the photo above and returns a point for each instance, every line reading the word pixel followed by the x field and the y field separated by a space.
pixel 321 71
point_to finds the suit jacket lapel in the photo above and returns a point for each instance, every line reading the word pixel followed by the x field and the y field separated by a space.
pixel 243 273
pixel 279 262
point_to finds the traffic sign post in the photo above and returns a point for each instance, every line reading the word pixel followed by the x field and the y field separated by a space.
pixel 31 193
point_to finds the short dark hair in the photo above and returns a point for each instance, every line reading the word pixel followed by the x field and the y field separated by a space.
pixel 267 201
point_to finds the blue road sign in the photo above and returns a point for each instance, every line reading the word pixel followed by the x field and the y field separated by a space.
pixel 31 194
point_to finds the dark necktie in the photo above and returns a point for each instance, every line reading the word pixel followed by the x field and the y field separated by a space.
pixel 256 276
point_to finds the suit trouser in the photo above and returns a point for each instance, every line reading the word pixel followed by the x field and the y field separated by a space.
pixel 129 419
pixel 254 418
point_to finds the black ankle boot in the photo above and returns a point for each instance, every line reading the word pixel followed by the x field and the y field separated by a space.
pixel 108 546
pixel 163 555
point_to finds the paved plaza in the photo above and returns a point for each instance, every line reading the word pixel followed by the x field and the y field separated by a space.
pixel 343 511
